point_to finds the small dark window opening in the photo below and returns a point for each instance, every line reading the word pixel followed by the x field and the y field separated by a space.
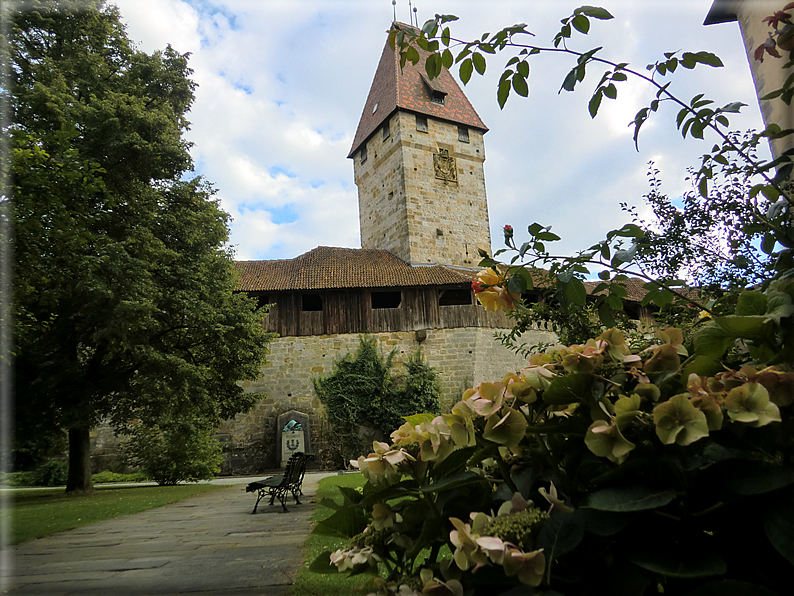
pixel 633 311
pixel 455 297
pixel 437 97
pixel 363 154
pixel 262 300
pixel 532 297
pixel 311 302
pixel 386 299
pixel 421 123
pixel 386 131
pixel 463 134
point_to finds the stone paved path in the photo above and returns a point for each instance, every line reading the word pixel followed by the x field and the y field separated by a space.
pixel 208 545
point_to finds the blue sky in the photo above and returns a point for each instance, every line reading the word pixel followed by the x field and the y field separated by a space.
pixel 282 85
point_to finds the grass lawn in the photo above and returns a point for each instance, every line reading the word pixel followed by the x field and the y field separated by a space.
pixel 329 584
pixel 34 513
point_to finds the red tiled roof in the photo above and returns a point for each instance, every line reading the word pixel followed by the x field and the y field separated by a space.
pixel 326 268
pixel 330 268
pixel 395 88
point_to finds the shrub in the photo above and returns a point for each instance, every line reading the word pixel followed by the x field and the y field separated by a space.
pixel 364 400
pixel 174 451
pixel 594 471
pixel 52 472
pixel 107 476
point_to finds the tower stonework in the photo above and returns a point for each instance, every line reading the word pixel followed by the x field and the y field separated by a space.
pixel 418 161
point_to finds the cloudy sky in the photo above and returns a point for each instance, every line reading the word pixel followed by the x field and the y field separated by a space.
pixel 281 87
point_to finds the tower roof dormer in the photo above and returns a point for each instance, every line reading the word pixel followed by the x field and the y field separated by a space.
pixel 409 88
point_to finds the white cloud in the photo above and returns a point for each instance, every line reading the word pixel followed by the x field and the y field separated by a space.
pixel 282 85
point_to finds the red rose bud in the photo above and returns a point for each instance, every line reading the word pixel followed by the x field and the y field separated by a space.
pixel 477 286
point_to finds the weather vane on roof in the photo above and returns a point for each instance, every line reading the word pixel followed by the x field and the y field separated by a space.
pixel 394 8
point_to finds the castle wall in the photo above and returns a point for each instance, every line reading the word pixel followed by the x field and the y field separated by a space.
pixel 462 358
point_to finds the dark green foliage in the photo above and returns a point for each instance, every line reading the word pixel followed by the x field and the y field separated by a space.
pixel 176 451
pixel 53 472
pixel 365 401
pixel 123 281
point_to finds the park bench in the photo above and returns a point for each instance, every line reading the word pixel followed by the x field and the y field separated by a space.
pixel 278 486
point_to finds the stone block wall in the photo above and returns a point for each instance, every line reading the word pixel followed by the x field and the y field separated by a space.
pixel 462 358
pixel 405 209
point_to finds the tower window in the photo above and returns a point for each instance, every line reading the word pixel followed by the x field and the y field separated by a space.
pixel 363 154
pixel 421 123
pixel 386 299
pixel 386 131
pixel 311 302
pixel 463 134
pixel 437 97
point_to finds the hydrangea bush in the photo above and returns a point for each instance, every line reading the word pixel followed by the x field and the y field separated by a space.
pixel 593 470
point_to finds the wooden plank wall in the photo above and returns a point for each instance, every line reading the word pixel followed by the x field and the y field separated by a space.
pixel 349 311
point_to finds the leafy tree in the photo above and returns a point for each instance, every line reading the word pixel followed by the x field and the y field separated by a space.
pixel 123 279
pixel 365 401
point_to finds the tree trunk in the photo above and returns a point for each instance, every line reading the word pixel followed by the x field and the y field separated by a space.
pixel 79 460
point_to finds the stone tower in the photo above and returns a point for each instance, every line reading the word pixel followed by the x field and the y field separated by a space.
pixel 418 160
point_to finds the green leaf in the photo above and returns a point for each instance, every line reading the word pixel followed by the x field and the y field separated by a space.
pixel 751 302
pixel 762 481
pixel 629 498
pixel 466 70
pixel 344 523
pixel 746 327
pixel 779 527
pixel 709 59
pixel 520 85
pixel 703 187
pixel 604 523
pixel 430 65
pixel 594 103
pixel 575 292
pixel 581 23
pixel 517 284
pixel 417 419
pixel 503 92
pixel 479 62
pixel 701 365
pixel 605 315
pixel 445 37
pixel 351 495
pixel 453 481
pixel 560 534
pixel 453 464
pixel 570 80
pixel 447 59
pixel 712 341
pixel 322 564
pixel 523 68
pixel 596 12
pixel 568 389
pixel 674 564
pixel 611 91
